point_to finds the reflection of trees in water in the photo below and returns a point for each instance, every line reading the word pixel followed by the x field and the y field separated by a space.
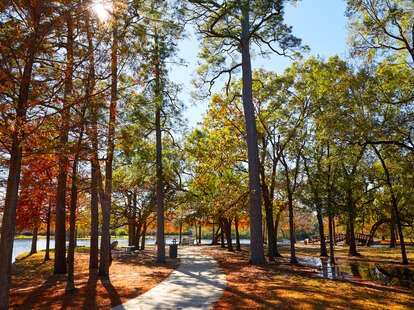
pixel 325 268
pixel 355 269
pixel 397 275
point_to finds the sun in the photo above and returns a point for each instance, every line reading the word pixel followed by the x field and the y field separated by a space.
pixel 102 9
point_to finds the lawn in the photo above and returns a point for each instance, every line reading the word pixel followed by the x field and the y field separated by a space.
pixel 281 285
pixel 35 287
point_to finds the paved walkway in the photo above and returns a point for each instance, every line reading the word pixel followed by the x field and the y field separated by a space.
pixel 196 284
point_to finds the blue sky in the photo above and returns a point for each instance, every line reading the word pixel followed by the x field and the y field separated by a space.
pixel 321 24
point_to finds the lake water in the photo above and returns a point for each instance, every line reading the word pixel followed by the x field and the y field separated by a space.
pixel 21 246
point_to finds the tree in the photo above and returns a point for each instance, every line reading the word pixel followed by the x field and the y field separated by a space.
pixel 229 27
pixel 34 19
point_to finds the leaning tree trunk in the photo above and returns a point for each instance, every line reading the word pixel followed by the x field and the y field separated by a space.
pixel 395 211
pixel 33 249
pixel 13 179
pixel 323 250
pixel 236 228
pixel 227 231
pixel 257 256
pixel 60 230
pixel 374 229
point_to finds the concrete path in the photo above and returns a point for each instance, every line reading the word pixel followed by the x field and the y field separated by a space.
pixel 196 284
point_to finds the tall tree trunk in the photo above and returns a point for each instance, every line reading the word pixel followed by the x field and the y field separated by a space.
pixel 236 228
pixel 93 253
pixel 33 249
pixel 160 187
pixel 323 250
pixel 105 253
pixel 13 179
pixel 70 285
pixel 49 211
pixel 63 155
pixel 334 230
pixel 144 230
pixel 257 256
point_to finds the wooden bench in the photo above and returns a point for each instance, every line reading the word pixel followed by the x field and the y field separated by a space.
pixel 187 241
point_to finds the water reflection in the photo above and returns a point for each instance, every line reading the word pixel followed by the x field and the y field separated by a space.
pixel 381 273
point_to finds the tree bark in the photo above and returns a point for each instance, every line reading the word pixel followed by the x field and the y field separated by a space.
pixel 93 253
pixel 256 246
pixel 352 243
pixel 227 231
pixel 181 233
pixel 33 249
pixel 144 230
pixel 236 228
pixel 105 252
pixel 277 254
pixel 49 210
pixel 395 210
pixel 63 152
pixel 159 172
pixel 292 232
pixel 70 285
pixel 199 234
pixel 13 179
pixel 393 241
pixel 323 250
pixel 331 242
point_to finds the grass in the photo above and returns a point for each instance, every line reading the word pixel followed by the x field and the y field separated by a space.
pixel 35 287
pixel 284 286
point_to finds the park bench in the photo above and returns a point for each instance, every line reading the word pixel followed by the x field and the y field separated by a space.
pixel 187 241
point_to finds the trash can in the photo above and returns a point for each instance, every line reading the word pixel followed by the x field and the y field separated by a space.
pixel 173 249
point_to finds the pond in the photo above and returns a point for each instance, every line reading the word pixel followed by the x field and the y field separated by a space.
pixel 384 274
pixel 21 246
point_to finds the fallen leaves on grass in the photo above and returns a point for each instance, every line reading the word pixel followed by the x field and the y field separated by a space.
pixel 35 287
pixel 284 286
